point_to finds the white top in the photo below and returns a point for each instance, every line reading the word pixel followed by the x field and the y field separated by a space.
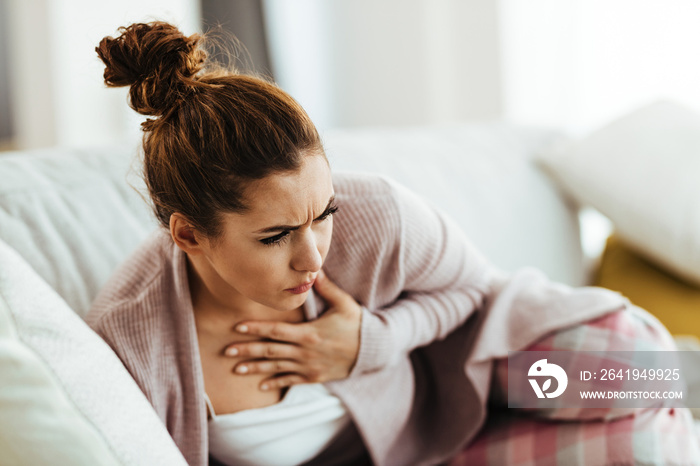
pixel 291 432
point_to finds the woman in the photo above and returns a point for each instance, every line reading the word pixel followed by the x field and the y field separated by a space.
pixel 284 315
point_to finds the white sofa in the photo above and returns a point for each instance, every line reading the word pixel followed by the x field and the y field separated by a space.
pixel 68 217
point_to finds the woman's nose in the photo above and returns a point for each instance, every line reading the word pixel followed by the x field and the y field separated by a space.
pixel 306 256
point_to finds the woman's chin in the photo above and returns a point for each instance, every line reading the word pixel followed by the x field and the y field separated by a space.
pixel 295 301
pixel 288 303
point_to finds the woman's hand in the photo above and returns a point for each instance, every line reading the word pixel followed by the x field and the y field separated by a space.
pixel 317 351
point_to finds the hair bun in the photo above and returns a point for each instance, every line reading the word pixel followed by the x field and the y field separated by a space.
pixel 156 60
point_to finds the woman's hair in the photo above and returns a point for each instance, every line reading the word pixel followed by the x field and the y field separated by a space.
pixel 214 130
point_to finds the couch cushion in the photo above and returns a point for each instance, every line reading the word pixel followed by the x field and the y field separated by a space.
pixel 65 398
pixel 484 177
pixel 72 215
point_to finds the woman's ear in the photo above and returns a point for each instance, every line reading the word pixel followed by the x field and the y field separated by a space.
pixel 185 236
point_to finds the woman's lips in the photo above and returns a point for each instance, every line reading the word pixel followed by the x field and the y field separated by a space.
pixel 301 288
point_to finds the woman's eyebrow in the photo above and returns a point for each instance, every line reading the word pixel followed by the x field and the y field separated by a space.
pixel 293 227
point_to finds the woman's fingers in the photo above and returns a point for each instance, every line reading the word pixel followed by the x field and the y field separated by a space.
pixel 282 381
pixel 319 350
pixel 299 333
pixel 328 290
pixel 265 349
pixel 275 366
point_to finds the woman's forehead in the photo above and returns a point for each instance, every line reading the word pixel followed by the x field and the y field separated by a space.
pixel 291 196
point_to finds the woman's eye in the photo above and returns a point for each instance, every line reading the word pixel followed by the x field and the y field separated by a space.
pixel 282 237
pixel 277 239
pixel 329 212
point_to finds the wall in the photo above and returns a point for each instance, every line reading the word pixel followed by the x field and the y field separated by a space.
pixel 394 62
pixel 579 63
pixel 58 93
pixel 571 64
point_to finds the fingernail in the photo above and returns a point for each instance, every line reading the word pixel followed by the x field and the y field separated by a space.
pixel 243 328
pixel 263 386
pixel 232 351
pixel 242 369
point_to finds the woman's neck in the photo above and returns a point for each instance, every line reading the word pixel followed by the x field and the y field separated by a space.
pixel 214 298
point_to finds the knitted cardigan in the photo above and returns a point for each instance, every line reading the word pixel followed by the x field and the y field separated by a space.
pixel 435 316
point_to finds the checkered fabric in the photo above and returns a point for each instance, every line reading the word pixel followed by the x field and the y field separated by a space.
pixel 593 436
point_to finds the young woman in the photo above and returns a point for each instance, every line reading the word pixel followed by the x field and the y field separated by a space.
pixel 287 315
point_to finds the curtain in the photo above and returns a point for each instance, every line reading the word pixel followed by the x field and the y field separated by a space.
pixel 244 20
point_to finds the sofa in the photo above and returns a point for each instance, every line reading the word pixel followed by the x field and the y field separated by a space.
pixel 69 216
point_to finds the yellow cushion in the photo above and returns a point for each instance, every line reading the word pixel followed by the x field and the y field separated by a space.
pixel 674 302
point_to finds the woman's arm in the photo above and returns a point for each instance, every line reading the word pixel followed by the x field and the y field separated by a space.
pixel 445 279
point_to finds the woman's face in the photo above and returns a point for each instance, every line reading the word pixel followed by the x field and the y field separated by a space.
pixel 281 242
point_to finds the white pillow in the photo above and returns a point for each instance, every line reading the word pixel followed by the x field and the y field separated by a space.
pixel 71 214
pixel 643 172
pixel 65 397
pixel 38 423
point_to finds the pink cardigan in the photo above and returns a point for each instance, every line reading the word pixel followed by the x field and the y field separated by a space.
pixel 435 316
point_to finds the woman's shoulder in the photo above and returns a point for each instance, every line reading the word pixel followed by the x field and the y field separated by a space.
pixel 367 187
pixel 135 280
pixel 367 203
pixel 377 203
pixel 369 196
pixel 362 185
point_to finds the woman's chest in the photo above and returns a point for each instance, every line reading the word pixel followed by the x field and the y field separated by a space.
pixel 229 391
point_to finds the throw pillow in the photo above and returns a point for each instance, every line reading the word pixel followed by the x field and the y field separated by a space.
pixel 641 172
pixel 39 424
pixel 673 301
pixel 92 388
